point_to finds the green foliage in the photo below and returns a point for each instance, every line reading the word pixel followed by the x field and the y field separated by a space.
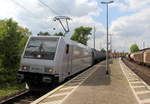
pixel 12 41
pixel 43 34
pixel 103 50
pixel 58 34
pixel 134 48
pixel 48 34
pixel 11 89
pixel 11 37
pixel 81 34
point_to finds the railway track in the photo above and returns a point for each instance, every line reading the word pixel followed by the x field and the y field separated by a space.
pixel 22 97
pixel 142 71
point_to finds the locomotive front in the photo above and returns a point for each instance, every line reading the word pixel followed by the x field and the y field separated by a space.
pixel 37 62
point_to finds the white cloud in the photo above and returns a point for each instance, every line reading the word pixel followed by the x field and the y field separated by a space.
pixel 129 5
pixel 5 10
pixel 132 29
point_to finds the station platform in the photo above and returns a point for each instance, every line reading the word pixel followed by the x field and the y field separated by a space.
pixel 93 86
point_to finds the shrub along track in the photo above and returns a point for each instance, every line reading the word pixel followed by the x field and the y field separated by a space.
pixel 142 71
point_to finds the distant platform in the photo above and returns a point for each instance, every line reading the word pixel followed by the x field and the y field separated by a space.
pixel 93 86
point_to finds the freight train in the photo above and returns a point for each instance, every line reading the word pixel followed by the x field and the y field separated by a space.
pixel 49 60
pixel 141 57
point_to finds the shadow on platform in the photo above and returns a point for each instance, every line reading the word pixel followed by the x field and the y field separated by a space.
pixel 99 77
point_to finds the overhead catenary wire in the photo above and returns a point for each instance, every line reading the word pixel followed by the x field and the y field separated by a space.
pixel 21 6
pixel 30 12
pixel 27 10
pixel 51 9
pixel 67 10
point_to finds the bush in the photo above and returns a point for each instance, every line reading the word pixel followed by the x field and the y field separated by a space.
pixel 12 41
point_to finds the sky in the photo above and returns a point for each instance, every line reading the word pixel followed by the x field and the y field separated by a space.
pixel 129 20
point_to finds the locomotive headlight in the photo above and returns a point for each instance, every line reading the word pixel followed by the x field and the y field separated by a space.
pixel 50 70
pixel 25 67
pixel 38 56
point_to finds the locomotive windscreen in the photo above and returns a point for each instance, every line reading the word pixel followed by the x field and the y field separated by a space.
pixel 41 48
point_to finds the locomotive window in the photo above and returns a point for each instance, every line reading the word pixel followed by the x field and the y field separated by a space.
pixel 67 48
pixel 41 48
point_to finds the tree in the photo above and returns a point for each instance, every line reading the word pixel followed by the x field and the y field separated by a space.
pixel 81 34
pixel 24 31
pixel 48 34
pixel 134 48
pixel 58 34
pixel 12 42
pixel 43 34
pixel 103 50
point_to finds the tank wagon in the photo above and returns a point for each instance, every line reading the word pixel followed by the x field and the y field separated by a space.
pixel 98 55
pixel 141 57
pixel 49 60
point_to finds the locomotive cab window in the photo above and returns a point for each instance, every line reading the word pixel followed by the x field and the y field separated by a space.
pixel 41 48
pixel 67 48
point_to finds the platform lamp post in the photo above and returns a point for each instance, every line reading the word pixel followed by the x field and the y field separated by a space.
pixel 94 30
pixel 107 3
pixel 110 35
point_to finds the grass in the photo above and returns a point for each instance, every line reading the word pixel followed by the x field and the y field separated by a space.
pixel 11 89
pixel 8 83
